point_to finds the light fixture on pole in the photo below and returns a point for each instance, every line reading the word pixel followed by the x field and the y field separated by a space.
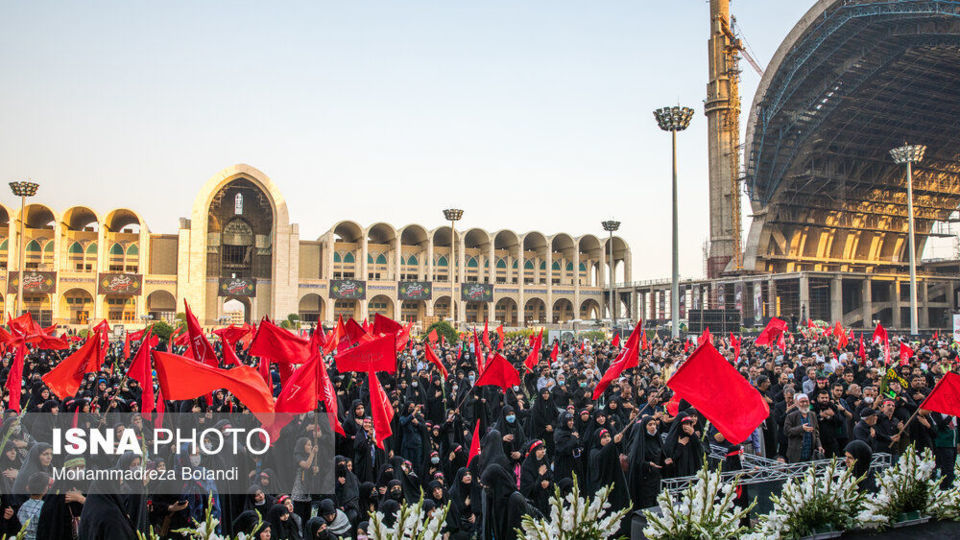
pixel 453 215
pixel 674 119
pixel 23 190
pixel 908 154
pixel 611 226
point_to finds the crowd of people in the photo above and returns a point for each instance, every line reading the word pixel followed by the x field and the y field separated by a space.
pixel 541 434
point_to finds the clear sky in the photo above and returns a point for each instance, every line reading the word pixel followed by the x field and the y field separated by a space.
pixel 532 115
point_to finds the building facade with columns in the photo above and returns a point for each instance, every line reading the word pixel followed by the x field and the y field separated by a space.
pixel 239 245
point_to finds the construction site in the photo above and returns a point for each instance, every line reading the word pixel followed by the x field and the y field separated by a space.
pixel 831 212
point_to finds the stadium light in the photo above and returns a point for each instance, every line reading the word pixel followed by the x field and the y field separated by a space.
pixel 908 154
pixel 674 119
pixel 22 189
pixel 453 215
pixel 611 226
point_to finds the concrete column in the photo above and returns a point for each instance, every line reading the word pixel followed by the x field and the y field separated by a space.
pixel 549 284
pixel 772 298
pixel 836 300
pixel 364 271
pixel 634 305
pixel 576 284
pixel 520 295
pixel 461 255
pixel 326 269
pixel 896 304
pixel 491 265
pixel 923 308
pixel 397 260
pixel 867 303
pixel 430 276
pixel 804 297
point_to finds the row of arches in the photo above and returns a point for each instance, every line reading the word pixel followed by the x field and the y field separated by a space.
pixel 314 308
pixel 77 306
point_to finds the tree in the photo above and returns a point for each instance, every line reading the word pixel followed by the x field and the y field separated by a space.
pixel 444 329
pixel 162 329
pixel 292 321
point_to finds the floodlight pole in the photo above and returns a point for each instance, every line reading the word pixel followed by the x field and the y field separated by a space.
pixel 907 155
pixel 23 190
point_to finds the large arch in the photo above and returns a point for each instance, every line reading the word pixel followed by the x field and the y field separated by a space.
pixel 535 311
pixel 535 255
pixel 76 306
pixel 122 219
pixel 591 251
pixel 311 308
pixel 380 304
pixel 506 311
pixel 347 231
pixel 162 305
pixel 562 311
pixel 589 309
pixel 851 81
pixel 441 307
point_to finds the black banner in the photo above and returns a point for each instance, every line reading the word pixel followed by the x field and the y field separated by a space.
pixel 34 282
pixel 476 292
pixel 348 289
pixel 414 290
pixel 120 283
pixel 237 287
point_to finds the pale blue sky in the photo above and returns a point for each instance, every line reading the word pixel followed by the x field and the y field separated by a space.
pixel 530 115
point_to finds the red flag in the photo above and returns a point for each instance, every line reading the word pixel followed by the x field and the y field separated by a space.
pixel 229 353
pixel 945 396
pixel 628 358
pixel 25 325
pixel 279 345
pixel 182 378
pixel 616 340
pixel 263 368
pixel 378 354
pixel 501 337
pixel 201 348
pixel 534 357
pixel 672 407
pixel 366 326
pixel 555 352
pixel 385 325
pixel 15 377
pixel 307 385
pixel 720 393
pixel 126 346
pixel 861 352
pixel 65 379
pixel 936 333
pixel 474 443
pixel 160 408
pixel 477 352
pixel 771 333
pixel 686 346
pixel 403 337
pixel 906 353
pixel 333 342
pixel 736 347
pixel 499 372
pixel 354 334
pixel 879 334
pixel 705 337
pixel 486 335
pixel 382 410
pixel 233 333
pixel 432 336
pixel 141 372
pixel 643 339
pixel 810 324
pixel 433 359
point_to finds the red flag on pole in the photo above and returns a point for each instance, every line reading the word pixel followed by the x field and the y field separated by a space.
pixel 486 335
pixel 141 371
pixel 499 372
pixel 385 325
pixel 770 335
pixel 182 378
pixel 435 360
pixel 555 352
pixel 501 337
pixel 879 334
pixel 65 379
pixel 15 377
pixel 474 443
pixel 906 353
pixel 705 337
pixel 279 345
pixel 160 408
pixel 720 393
pixel 201 348
pixel 534 357
pixel 861 352
pixel 382 410
pixel 432 336
pixel 477 352
pixel 628 358
pixel 616 340
pixel 945 396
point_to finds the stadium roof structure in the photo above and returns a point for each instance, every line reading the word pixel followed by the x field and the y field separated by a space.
pixel 851 81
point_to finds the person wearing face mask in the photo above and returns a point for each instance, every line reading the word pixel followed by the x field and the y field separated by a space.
pixel 683 451
pixel 536 478
pixel 543 419
pixel 514 440
pixel 569 448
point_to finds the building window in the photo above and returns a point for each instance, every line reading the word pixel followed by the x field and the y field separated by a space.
pixel 116 268
pixel 238 204
pixel 234 255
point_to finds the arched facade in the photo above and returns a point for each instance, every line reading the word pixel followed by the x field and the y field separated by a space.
pixel 238 248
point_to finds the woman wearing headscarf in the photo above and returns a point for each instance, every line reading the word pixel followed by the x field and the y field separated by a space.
pixel 367 501
pixel 568 450
pixel 304 455
pixel 857 454
pixel 536 478
pixel 514 440
pixel 543 419
pixel 646 462
pixel 347 490
pixel 63 504
pixel 461 519
pixel 281 526
pixel 682 450
pixel 605 470
pixel 498 486
pixel 38 460
pixel 105 514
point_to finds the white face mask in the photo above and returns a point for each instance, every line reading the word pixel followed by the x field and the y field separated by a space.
pixel 195 461
pixel 868 399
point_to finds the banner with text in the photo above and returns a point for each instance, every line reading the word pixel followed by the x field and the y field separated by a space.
pixel 348 289
pixel 476 292
pixel 120 284
pixel 414 290
pixel 237 287
pixel 33 282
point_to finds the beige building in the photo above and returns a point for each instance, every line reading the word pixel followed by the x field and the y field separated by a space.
pixel 238 245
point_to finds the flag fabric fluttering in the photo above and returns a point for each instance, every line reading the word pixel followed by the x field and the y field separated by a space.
pixel 500 337
pixel 534 357
pixel 201 348
pixel 629 357
pixel 65 379
pixel 718 392
pixel 382 411
pixel 771 334
pixel 474 443
pixel 141 371
pixel 378 354
pixel 499 372
pixel 945 396
pixel 434 359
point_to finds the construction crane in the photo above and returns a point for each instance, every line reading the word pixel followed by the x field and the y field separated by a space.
pixel 743 46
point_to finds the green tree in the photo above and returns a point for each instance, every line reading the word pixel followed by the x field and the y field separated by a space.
pixel 162 329
pixel 292 321
pixel 444 329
